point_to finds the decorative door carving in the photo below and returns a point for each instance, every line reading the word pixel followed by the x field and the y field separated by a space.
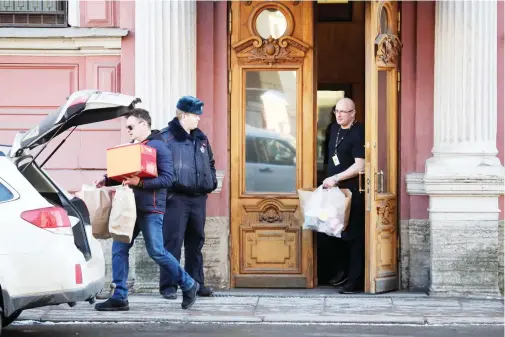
pixel 272 142
pixel 383 48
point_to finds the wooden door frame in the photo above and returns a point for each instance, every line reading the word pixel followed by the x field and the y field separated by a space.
pixel 376 202
pixel 310 259
pixel 306 161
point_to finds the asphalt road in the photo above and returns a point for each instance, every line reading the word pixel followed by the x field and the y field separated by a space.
pixel 217 330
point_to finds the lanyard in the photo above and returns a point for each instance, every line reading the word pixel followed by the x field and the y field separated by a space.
pixel 337 142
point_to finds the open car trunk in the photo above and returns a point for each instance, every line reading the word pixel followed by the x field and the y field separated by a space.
pixel 82 107
pixel 48 189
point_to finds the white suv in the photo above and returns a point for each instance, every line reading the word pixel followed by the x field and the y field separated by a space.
pixel 48 255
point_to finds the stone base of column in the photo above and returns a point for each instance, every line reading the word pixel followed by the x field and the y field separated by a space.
pixel 464 212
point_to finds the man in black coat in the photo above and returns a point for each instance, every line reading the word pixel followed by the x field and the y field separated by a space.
pixel 346 153
pixel 195 178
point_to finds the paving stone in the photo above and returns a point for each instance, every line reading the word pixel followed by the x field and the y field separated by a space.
pixel 464 320
pixel 355 304
pixel 291 305
pixel 318 309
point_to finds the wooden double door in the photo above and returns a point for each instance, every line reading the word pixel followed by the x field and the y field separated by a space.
pixel 273 143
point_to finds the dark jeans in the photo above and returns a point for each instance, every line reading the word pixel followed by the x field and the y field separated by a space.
pixel 151 225
pixel 184 222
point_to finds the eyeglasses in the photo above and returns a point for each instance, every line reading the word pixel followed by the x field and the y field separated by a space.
pixel 342 111
pixel 131 127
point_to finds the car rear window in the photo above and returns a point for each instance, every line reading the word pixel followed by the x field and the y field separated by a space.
pixel 5 194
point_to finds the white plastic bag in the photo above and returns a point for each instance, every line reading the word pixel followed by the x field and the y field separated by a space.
pixel 123 215
pixel 325 211
pixel 99 203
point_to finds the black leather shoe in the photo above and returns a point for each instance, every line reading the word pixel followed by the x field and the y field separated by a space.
pixel 205 291
pixel 350 288
pixel 189 296
pixel 113 305
pixel 169 295
pixel 338 279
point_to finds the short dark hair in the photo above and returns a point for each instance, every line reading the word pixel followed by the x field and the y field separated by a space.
pixel 140 114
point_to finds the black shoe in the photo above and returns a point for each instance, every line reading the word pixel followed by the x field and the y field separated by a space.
pixel 113 305
pixel 189 296
pixel 338 279
pixel 350 288
pixel 169 295
pixel 205 291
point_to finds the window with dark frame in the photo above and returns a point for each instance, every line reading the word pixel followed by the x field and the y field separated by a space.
pixel 33 13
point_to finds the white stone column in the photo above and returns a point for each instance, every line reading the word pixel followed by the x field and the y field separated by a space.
pixel 165 70
pixel 74 13
pixel 464 177
pixel 165 55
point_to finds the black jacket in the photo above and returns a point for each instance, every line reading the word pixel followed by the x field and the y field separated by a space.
pixel 192 158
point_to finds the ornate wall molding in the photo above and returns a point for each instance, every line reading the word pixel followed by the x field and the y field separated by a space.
pixel 271 51
pixel 387 50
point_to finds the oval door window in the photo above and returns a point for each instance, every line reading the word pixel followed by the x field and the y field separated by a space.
pixel 271 22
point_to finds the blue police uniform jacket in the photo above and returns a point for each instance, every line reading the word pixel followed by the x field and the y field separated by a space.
pixel 152 196
pixel 192 159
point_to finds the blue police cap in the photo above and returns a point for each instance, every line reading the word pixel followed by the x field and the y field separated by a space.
pixel 190 104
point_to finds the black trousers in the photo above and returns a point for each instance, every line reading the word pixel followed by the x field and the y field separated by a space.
pixel 354 239
pixel 184 221
pixel 347 253
pixel 341 255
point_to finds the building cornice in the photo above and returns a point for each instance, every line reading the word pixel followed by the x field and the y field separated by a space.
pixel 72 41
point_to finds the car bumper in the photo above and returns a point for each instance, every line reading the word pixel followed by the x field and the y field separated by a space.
pixel 13 304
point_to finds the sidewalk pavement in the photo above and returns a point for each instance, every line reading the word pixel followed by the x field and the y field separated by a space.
pixel 289 307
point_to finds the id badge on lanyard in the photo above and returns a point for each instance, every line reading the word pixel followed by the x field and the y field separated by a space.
pixel 335 160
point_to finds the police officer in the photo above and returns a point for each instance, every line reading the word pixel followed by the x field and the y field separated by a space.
pixel 346 153
pixel 195 177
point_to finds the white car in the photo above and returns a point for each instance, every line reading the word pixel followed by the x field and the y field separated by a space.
pixel 48 255
pixel 270 162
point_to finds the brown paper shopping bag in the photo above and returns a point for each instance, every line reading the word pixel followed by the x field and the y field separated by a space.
pixel 123 215
pixel 303 196
pixel 99 203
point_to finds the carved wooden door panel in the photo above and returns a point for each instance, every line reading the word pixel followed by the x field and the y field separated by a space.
pixel 382 55
pixel 272 142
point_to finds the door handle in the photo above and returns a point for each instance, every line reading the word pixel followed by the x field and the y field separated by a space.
pixel 361 176
pixel 265 170
pixel 379 187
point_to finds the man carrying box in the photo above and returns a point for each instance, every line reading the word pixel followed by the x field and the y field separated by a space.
pixel 150 199
pixel 195 177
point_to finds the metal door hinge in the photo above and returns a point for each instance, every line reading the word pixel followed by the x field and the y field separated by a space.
pixel 229 81
pixel 229 21
pixel 399 81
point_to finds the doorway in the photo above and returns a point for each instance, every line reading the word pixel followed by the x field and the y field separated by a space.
pixel 289 63
pixel 339 44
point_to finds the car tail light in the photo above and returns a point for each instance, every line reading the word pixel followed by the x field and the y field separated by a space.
pixel 78 274
pixel 47 218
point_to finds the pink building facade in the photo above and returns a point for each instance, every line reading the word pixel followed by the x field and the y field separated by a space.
pixel 451 142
